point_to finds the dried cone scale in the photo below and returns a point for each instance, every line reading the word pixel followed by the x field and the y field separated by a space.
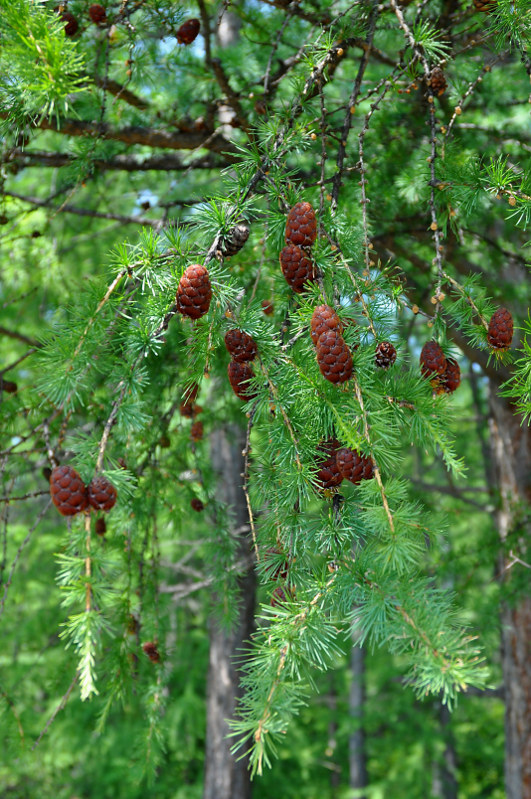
pixel 240 345
pixel 296 267
pixel 102 494
pixel 385 355
pixel 353 466
pixel 328 475
pixel 68 491
pixel 500 331
pixel 324 318
pixel 301 226
pixel 239 374
pixel 188 31
pixel 194 292
pixel 333 357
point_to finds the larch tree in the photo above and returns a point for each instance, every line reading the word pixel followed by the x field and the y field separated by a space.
pixel 245 250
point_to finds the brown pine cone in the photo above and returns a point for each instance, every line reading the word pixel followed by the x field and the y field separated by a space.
pixel 68 491
pixel 101 526
pixel 432 360
pixel 354 466
pixel 197 505
pixel 196 431
pixel 235 239
pixel 187 407
pixel 71 23
pixel 437 81
pixel 102 494
pixel 301 226
pixel 328 475
pixel 240 346
pixel 385 355
pixel 500 332
pixel 485 6
pixel 280 572
pixel 267 307
pixel 97 13
pixel 194 292
pixel 188 31
pixel 151 650
pixel 296 267
pixel 280 595
pixel 324 318
pixel 452 376
pixel 239 374
pixel 333 357
pixel 8 386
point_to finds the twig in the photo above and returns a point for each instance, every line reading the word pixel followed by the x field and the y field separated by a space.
pixel 60 706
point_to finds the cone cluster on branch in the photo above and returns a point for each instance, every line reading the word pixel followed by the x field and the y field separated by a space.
pixel 301 232
pixel 242 349
pixel 70 495
pixel 194 292
pixel 444 374
pixel 341 463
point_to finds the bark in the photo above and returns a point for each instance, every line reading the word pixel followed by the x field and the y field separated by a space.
pixel 511 447
pixel 225 776
pixel 356 744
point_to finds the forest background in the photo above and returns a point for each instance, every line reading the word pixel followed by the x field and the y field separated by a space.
pixel 390 620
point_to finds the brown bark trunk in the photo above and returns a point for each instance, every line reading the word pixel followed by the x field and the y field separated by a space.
pixel 227 777
pixel 511 446
pixel 356 743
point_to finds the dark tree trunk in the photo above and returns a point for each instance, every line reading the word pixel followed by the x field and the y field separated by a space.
pixel 511 447
pixel 225 776
pixel 356 744
pixel 444 785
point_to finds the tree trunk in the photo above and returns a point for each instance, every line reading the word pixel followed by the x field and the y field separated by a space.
pixel 225 776
pixel 356 743
pixel 444 784
pixel 511 446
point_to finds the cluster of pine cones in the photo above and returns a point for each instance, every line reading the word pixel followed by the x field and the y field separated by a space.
pixel 185 34
pixel 295 260
pixel 70 495
pixel 341 463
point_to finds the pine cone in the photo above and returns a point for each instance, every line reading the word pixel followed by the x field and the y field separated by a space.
pixel 68 491
pixel 500 332
pixel 188 31
pixel 296 267
pixel 8 386
pixel 267 307
pixel 187 407
pixel 328 475
pixel 354 466
pixel 452 376
pixel 333 357
pixel 151 650
pixel 240 346
pixel 102 494
pixel 432 360
pixel 324 318
pixel 194 292
pixel 71 23
pixel 235 239
pixel 280 595
pixel 301 226
pixel 239 374
pixel 197 505
pixel 385 355
pixel 437 81
pixel 101 526
pixel 196 431
pixel 97 14
pixel 485 5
